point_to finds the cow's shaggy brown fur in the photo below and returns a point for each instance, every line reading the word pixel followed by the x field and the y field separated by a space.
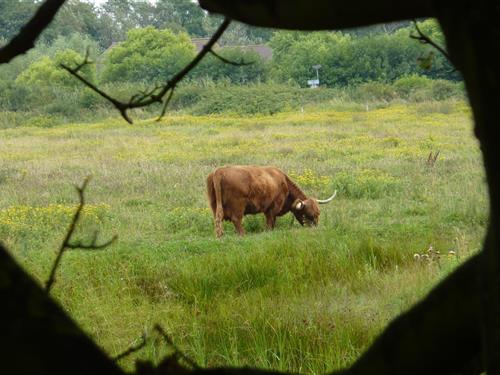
pixel 235 191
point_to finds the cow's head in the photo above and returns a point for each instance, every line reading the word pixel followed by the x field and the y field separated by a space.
pixel 306 211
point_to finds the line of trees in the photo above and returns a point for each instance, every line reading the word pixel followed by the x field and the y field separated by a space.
pixel 381 62
pixel 110 22
pixel 151 55
pixel 348 59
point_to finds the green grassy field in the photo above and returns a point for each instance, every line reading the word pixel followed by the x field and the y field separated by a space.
pixel 299 299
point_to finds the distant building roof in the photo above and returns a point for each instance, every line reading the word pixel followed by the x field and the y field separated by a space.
pixel 199 43
pixel 263 50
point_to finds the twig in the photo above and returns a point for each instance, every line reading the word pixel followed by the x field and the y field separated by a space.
pixel 177 352
pixel 86 60
pixel 146 99
pixel 424 39
pixel 120 106
pixel 431 159
pixel 132 349
pixel 30 32
pixel 226 61
pixel 67 244
pixel 164 109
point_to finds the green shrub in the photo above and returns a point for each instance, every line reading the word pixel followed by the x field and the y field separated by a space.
pixel 208 97
pixel 407 86
pixel 250 99
pixel 12 96
pixel 348 60
pixel 374 91
pixel 147 55
pixel 214 69
pixel 42 121
pixel 9 119
pixel 366 183
pixel 442 89
pixel 48 72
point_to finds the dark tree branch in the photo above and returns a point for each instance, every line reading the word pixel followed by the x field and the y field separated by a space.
pixel 319 14
pixel 165 105
pixel 85 62
pixel 120 106
pixel 432 158
pixel 157 94
pixel 132 349
pixel 37 335
pixel 92 245
pixel 67 244
pixel 424 39
pixel 30 32
pixel 144 94
pixel 226 61
pixel 177 352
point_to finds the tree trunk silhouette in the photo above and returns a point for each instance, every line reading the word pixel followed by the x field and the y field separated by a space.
pixel 37 337
pixel 473 37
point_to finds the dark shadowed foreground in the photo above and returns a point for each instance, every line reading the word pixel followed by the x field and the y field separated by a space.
pixel 455 329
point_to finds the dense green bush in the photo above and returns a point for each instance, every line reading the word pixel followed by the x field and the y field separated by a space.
pixel 250 99
pixel 348 60
pixel 48 72
pixel 76 42
pixel 214 69
pixel 147 55
pixel 373 92
pixel 81 104
pixel 408 85
pixel 10 119
pixel 442 89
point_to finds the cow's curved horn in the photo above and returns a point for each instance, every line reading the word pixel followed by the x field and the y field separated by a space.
pixel 323 201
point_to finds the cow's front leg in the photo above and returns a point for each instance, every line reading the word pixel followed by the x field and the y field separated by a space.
pixel 270 220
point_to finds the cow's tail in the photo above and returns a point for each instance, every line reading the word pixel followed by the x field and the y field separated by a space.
pixel 211 192
pixel 219 212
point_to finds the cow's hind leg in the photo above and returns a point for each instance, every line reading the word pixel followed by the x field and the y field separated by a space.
pixel 218 227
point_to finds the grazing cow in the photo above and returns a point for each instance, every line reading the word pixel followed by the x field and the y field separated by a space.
pixel 235 191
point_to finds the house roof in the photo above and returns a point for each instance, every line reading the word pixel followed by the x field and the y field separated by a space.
pixel 262 49
pixel 199 43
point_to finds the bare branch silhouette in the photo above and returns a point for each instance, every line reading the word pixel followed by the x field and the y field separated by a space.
pixel 132 349
pixel 165 105
pixel 67 244
pixel 424 39
pixel 156 94
pixel 30 32
pixel 431 159
pixel 177 352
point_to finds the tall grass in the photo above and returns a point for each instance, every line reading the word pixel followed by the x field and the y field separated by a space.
pixel 298 299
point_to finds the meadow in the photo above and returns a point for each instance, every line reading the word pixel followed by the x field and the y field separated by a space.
pixel 299 299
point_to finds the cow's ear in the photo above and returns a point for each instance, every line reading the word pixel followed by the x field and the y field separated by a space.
pixel 298 204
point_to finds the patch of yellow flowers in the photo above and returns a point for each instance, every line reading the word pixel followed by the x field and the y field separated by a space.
pixel 309 179
pixel 16 217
